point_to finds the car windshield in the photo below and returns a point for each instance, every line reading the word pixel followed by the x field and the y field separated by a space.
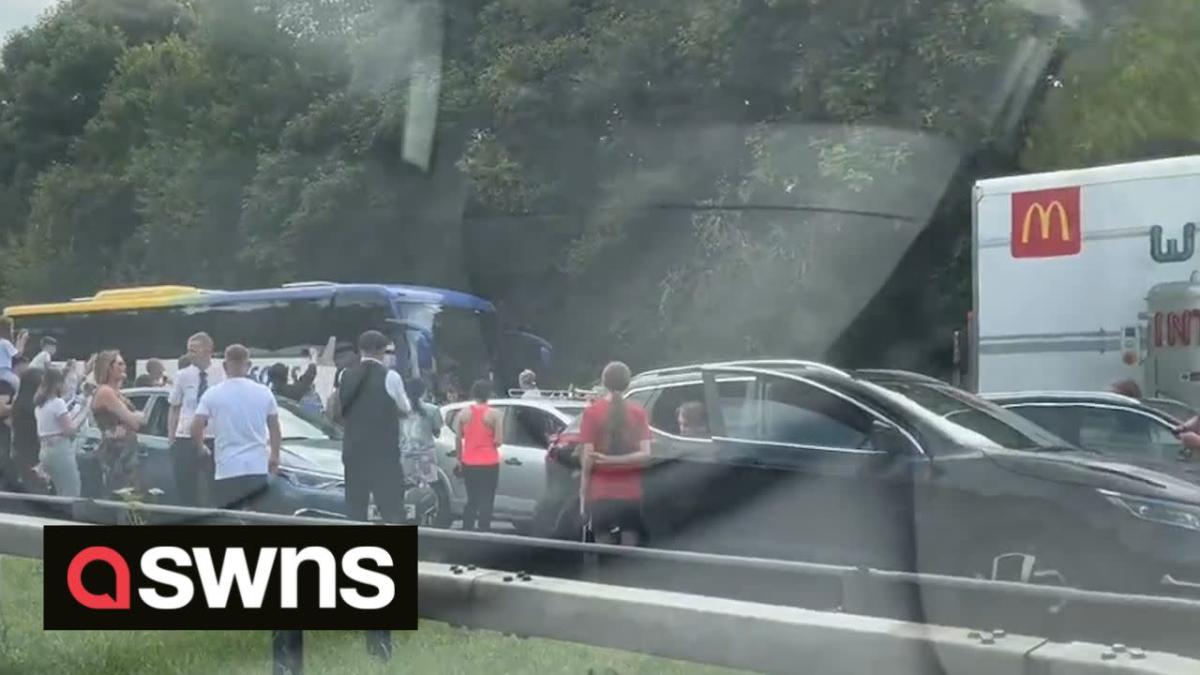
pixel 296 424
pixel 1000 427
pixel 571 410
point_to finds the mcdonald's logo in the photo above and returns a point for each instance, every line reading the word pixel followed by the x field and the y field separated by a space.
pixel 1045 223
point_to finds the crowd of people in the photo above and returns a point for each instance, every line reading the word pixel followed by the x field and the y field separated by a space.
pixel 224 434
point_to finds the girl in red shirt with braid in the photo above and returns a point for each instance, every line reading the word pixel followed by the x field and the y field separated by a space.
pixel 616 447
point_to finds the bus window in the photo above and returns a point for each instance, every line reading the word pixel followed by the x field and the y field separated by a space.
pixel 356 311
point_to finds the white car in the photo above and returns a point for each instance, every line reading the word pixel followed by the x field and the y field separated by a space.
pixel 529 426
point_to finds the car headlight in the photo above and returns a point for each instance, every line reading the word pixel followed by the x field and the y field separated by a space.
pixel 1186 516
pixel 311 481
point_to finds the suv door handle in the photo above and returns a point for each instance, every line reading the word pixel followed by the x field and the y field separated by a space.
pixel 452 453
pixel 513 461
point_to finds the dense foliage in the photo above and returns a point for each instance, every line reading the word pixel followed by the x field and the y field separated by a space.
pixel 646 179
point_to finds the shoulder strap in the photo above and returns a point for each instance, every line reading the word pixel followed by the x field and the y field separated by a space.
pixel 349 400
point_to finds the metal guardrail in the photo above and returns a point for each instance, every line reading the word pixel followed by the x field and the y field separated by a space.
pixel 754 636
pixel 1061 614
pixel 717 631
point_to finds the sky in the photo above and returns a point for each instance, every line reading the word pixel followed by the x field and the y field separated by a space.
pixel 15 14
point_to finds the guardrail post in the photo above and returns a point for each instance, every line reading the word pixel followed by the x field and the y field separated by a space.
pixel 379 644
pixel 287 652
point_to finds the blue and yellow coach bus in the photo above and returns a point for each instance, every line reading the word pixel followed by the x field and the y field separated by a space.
pixel 440 334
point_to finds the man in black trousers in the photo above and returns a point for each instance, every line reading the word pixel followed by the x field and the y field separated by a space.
pixel 371 401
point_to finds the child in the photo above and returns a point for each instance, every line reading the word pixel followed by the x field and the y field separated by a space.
pixel 45 357
pixel 9 350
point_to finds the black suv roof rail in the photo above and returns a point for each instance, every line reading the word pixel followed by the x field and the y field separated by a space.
pixel 906 374
pixel 748 363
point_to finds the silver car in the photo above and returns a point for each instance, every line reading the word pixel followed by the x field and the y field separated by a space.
pixel 529 426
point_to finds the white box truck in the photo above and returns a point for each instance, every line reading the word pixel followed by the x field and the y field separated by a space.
pixel 1086 277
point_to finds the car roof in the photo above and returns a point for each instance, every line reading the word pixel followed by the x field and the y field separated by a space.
pixel 889 375
pixel 1167 400
pixel 689 373
pixel 1062 395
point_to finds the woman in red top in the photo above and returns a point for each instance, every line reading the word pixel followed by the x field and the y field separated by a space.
pixel 478 430
pixel 616 445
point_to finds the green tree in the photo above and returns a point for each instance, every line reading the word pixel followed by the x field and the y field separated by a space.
pixel 1128 87
pixel 661 181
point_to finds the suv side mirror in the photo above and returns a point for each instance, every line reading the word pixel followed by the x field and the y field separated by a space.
pixel 888 438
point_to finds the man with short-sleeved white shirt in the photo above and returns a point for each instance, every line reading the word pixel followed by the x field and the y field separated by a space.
pixel 244 419
pixel 192 469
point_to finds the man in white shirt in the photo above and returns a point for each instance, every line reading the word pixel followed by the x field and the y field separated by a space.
pixel 193 470
pixel 245 422
pixel 45 357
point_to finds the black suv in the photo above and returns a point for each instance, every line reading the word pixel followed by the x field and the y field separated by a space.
pixel 897 471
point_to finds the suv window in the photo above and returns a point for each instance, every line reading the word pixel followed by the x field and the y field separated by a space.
pixel 663 414
pixel 1062 421
pixel 1125 432
pixel 794 412
pixel 736 395
pixel 531 427
pixel 639 397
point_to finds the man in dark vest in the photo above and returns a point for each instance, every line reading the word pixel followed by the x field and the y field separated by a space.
pixel 372 400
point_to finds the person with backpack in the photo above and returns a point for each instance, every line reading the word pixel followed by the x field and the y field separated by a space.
pixel 616 436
